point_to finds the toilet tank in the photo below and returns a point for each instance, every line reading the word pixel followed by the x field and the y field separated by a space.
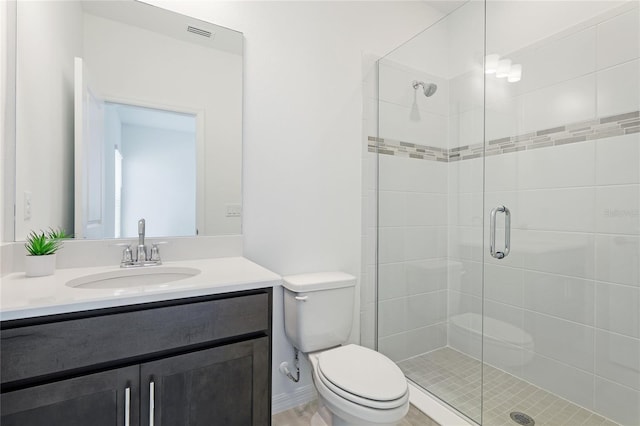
pixel 318 309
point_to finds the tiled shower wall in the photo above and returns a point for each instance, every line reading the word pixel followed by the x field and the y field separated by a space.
pixel 571 286
pixel 412 214
pixel 413 219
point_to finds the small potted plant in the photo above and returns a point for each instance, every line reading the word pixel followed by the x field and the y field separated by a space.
pixel 41 251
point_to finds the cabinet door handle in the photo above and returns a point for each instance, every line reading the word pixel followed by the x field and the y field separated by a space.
pixel 152 399
pixel 127 406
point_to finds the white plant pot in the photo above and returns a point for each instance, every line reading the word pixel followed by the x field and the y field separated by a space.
pixel 39 266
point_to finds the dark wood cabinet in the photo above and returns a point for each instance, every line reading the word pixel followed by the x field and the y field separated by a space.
pixel 100 399
pixel 218 386
pixel 193 362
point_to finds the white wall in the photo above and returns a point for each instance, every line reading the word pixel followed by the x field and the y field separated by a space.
pixel 45 112
pixel 158 173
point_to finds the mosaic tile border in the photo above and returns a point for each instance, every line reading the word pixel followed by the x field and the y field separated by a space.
pixel 600 128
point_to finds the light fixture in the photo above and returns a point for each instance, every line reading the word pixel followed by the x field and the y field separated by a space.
pixel 491 63
pixel 515 73
pixel 504 66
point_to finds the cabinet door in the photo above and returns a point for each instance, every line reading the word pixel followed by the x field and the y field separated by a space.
pixel 99 399
pixel 228 386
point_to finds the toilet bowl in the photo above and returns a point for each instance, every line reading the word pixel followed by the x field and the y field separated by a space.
pixel 356 385
pixel 359 386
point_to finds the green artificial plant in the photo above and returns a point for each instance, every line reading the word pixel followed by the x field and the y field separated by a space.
pixel 45 243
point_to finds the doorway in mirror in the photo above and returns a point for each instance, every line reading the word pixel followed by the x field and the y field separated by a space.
pixel 143 164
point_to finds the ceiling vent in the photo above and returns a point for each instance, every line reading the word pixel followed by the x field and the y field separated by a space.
pixel 199 31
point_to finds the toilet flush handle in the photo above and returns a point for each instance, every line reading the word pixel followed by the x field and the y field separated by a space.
pixel 302 298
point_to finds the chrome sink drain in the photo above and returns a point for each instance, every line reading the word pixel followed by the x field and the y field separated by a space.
pixel 522 419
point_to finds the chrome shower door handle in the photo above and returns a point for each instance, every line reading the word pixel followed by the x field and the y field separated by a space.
pixel 507 232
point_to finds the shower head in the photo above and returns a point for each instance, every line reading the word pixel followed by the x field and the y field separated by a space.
pixel 428 88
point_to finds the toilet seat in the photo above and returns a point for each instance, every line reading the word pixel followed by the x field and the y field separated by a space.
pixel 353 408
pixel 363 376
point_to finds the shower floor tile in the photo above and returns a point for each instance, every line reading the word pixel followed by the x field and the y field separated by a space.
pixel 457 379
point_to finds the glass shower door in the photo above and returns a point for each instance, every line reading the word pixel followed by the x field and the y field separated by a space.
pixel 561 308
pixel 429 149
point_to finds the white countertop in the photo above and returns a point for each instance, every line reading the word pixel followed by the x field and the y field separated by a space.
pixel 22 297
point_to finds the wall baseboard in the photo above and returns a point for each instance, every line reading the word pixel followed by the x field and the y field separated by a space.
pixel 285 401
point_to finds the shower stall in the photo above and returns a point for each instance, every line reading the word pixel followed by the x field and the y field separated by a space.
pixel 507 192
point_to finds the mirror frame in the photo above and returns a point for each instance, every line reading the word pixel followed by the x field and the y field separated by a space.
pixel 9 65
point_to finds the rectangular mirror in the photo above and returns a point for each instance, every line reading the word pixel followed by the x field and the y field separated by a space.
pixel 125 111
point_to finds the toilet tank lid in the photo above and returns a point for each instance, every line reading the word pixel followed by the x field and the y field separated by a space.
pixel 318 281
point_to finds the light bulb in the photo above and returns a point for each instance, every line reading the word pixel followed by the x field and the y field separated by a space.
pixel 515 74
pixel 491 63
pixel 504 66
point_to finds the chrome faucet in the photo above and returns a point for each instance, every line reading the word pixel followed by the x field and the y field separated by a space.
pixel 141 252
pixel 141 258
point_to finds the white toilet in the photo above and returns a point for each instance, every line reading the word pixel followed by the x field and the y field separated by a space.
pixel 356 385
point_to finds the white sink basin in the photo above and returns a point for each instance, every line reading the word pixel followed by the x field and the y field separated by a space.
pixel 138 277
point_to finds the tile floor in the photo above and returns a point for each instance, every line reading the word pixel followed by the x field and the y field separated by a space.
pixel 456 378
pixel 301 416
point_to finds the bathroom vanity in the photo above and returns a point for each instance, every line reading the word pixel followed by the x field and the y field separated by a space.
pixel 185 358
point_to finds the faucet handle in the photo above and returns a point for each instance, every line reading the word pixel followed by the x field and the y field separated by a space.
pixel 127 254
pixel 155 253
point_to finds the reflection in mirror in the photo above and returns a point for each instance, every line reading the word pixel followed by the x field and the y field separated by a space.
pixel 149 160
pixel 146 122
